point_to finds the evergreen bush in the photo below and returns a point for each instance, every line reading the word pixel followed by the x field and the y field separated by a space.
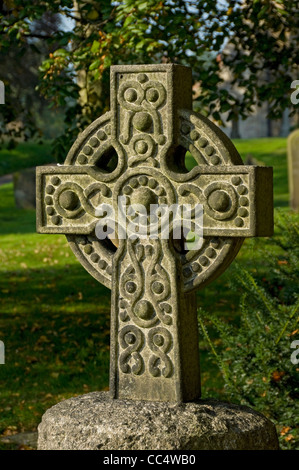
pixel 254 356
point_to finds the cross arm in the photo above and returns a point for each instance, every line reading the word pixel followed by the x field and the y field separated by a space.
pixel 67 198
pixel 237 200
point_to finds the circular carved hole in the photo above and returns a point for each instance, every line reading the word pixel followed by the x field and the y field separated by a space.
pixel 157 287
pixel 178 244
pixel 108 161
pixel 180 160
pixel 176 160
pixel 190 161
pixel 152 95
pixel 109 244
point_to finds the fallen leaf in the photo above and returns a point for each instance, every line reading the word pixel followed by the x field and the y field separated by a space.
pixel 285 430
pixel 10 431
pixel 277 375
pixel 31 359
pixel 43 339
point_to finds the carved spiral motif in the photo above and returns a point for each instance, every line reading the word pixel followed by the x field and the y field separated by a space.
pixel 160 343
pixel 131 339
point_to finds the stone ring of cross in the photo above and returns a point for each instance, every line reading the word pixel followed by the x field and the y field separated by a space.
pixel 138 160
pixel 137 151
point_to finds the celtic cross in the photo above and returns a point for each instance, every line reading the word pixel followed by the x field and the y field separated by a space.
pixel 137 151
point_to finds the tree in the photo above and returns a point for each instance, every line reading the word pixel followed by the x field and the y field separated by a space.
pixel 24 105
pixel 262 35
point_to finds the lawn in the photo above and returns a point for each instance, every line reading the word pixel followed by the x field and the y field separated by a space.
pixel 270 152
pixel 25 155
pixel 55 317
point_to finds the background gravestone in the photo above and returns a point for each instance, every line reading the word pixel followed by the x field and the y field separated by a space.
pixel 24 188
pixel 137 151
pixel 293 168
pixel 24 182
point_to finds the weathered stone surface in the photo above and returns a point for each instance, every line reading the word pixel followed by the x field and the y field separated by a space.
pixel 97 422
pixel 24 188
pixel 293 168
pixel 137 151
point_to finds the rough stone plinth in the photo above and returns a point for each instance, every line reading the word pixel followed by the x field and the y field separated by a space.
pixel 97 422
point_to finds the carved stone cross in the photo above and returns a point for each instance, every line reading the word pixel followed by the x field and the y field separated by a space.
pixel 137 151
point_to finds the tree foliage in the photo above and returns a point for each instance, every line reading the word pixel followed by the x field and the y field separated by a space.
pixel 20 74
pixel 256 39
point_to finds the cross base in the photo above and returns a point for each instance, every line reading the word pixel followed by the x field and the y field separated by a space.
pixel 97 422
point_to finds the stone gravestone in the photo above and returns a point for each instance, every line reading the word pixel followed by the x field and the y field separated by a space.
pixel 24 188
pixel 293 169
pixel 136 151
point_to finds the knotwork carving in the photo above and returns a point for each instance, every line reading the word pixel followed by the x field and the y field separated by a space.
pixel 131 339
pixel 160 342
pixel 141 99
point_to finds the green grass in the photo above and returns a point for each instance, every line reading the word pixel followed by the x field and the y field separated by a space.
pixel 54 321
pixel 271 152
pixel 54 317
pixel 25 155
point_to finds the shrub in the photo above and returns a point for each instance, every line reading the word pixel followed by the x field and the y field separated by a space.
pixel 255 356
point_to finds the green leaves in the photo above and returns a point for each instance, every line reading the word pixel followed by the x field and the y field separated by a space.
pixel 95 47
pixel 94 65
pixel 254 356
pixel 61 53
pixel 255 41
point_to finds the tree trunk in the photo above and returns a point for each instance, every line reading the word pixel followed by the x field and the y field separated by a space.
pixel 235 133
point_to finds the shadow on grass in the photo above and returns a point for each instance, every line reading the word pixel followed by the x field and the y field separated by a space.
pixel 52 287
pixel 55 320
pixel 14 220
pixel 55 323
